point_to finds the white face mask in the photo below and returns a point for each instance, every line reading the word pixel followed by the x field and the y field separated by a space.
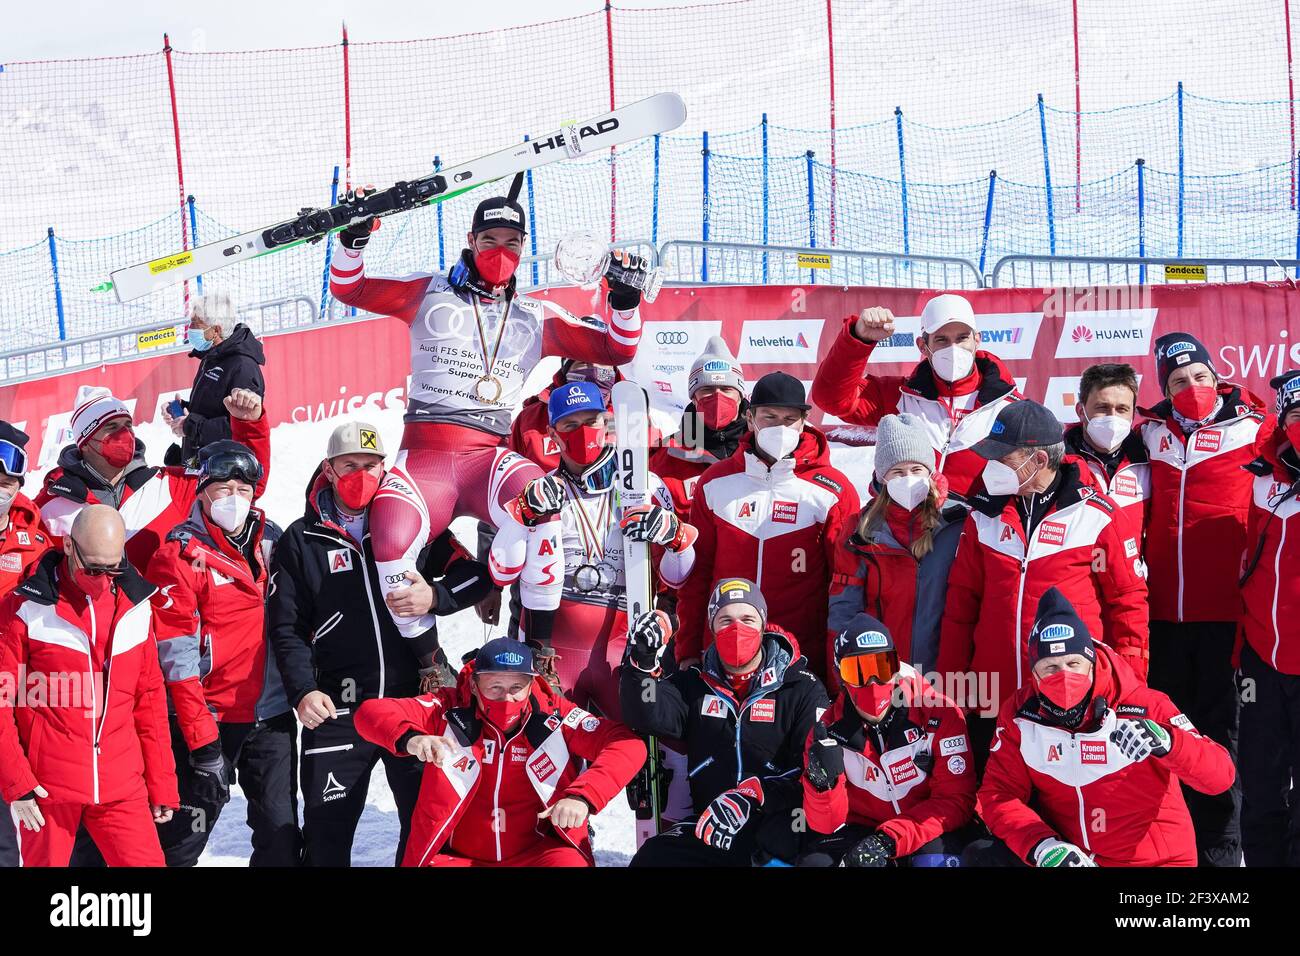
pixel 908 490
pixel 952 363
pixel 228 513
pixel 778 440
pixel 6 500
pixel 1108 431
pixel 1000 479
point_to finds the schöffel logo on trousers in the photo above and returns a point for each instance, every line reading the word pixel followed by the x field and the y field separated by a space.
pixel 672 338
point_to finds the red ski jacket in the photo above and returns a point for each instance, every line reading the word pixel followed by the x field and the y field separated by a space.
pixel 1200 501
pixel 1129 487
pixel 100 734
pixel 484 802
pixel 841 389
pixel 998 578
pixel 150 500
pixel 23 542
pixel 1044 781
pixel 210 610
pixel 777 526
pixel 911 777
pixel 1271 593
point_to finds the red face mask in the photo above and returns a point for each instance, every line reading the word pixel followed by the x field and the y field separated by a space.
pixel 118 448
pixel 718 410
pixel 872 700
pixel 94 586
pixel 1293 434
pixel 1196 402
pixel 357 488
pixel 502 714
pixel 738 643
pixel 584 445
pixel 496 265
pixel 1065 689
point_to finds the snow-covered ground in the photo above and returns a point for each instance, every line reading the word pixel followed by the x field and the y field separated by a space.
pixel 296 451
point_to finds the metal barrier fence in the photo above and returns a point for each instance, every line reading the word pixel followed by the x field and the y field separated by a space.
pixel 121 345
pixel 1054 271
pixel 733 263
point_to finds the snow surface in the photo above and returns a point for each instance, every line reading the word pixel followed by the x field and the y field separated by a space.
pixel 296 451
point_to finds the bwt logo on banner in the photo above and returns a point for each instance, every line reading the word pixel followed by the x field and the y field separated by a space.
pixel 1008 335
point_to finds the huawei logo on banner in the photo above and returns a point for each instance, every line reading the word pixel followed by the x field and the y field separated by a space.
pixel 1081 333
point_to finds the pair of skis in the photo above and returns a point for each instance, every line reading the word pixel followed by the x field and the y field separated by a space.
pixel 654 114
pixel 632 437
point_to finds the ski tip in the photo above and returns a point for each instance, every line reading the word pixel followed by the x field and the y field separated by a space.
pixel 675 109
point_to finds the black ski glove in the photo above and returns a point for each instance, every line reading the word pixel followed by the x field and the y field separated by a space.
pixel 825 760
pixel 647 640
pixel 623 264
pixel 875 850
pixel 355 235
pixel 210 775
pixel 724 818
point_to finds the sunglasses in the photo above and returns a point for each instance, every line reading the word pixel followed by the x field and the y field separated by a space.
pixel 13 460
pixel 97 570
pixel 861 669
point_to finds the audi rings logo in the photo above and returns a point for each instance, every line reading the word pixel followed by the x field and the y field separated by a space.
pixel 672 338
pixel 395 579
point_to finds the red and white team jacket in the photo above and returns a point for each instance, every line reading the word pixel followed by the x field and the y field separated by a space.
pixel 100 734
pixel 1200 500
pixel 150 500
pixel 210 612
pixel 446 352
pixel 919 785
pixel 1044 781
pixel 998 578
pixel 1129 487
pixel 23 542
pixel 1271 594
pixel 957 415
pixel 483 803
pixel 778 526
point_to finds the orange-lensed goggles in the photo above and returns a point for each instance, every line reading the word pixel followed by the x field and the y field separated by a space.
pixel 857 671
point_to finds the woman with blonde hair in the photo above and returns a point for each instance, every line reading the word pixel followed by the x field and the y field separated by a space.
pixel 893 564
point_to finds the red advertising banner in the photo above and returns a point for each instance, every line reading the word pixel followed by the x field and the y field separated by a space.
pixel 1046 337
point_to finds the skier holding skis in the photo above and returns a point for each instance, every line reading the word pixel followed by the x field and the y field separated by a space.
pixel 473 342
pixel 591 625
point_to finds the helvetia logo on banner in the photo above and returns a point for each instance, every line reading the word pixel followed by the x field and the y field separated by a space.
pixel 780 340
pixel 76 909
pixel 1100 334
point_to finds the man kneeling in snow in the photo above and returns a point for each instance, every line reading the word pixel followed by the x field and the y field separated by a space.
pixel 503 784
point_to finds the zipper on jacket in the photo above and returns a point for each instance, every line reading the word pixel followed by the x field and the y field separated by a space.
pixel 370 598
pixel 1182 485
pixel 1277 583
pixel 1020 605
pixel 496 789
pixel 94 704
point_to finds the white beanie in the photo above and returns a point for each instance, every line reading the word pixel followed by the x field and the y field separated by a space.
pixel 902 437
pixel 96 408
pixel 716 366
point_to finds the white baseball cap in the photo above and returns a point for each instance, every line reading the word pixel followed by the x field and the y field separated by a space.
pixel 946 308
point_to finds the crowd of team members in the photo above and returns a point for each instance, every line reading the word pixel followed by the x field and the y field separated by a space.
pixel 1032 645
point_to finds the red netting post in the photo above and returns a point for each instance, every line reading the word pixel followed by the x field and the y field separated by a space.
pixel 613 176
pixel 1290 87
pixel 347 114
pixel 180 169
pixel 830 59
pixel 1078 115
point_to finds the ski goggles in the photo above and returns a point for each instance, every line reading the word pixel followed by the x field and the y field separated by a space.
pixel 98 570
pixel 13 460
pixel 225 465
pixel 860 669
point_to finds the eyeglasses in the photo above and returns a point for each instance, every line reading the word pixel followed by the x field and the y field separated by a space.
pixel 13 460
pixel 97 570
pixel 858 670
pixel 225 465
